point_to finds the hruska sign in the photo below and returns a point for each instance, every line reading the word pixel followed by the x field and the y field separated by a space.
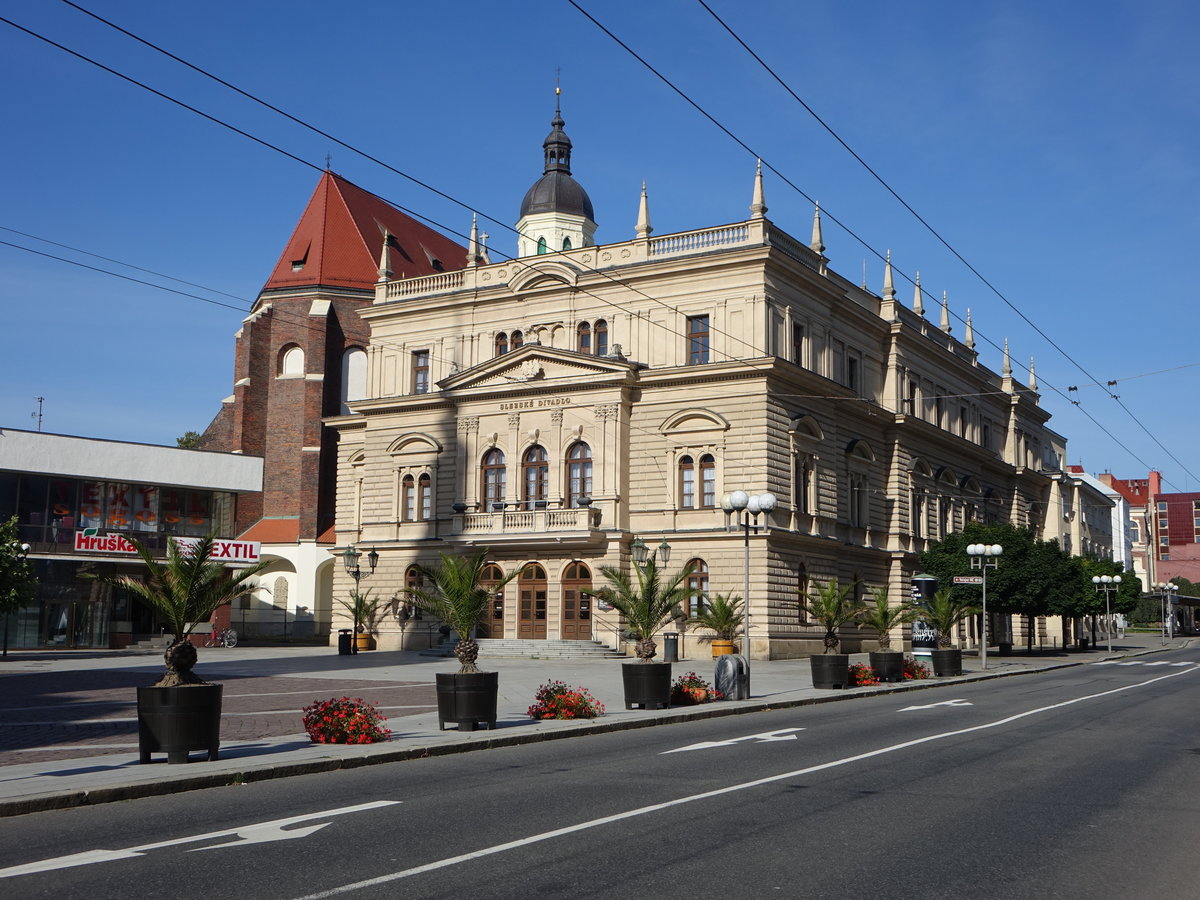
pixel 87 541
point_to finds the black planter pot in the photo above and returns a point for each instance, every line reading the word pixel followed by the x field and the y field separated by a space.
pixel 830 671
pixel 177 720
pixel 647 685
pixel 888 665
pixel 947 662
pixel 467 699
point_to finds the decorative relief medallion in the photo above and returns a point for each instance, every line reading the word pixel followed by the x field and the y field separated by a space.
pixel 625 254
pixel 485 276
pixel 605 256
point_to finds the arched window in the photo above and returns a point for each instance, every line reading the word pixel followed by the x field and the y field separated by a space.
pixel 566 243
pixel 541 246
pixel 408 499
pixel 535 475
pixel 425 497
pixel 354 376
pixel 518 340
pixel 413 579
pixel 708 481
pixel 291 362
pixel 583 338
pixel 600 332
pixel 579 474
pixel 697 583
pixel 494 476
pixel 501 343
pixel 803 484
pixel 687 482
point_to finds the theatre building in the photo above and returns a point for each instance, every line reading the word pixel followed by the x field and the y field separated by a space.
pixel 557 406
pixel 78 500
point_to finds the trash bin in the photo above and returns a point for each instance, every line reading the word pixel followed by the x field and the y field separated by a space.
pixel 1083 645
pixel 1006 648
pixel 670 646
pixel 344 638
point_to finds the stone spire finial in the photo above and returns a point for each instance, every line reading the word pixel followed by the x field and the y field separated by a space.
pixel 473 242
pixel 969 340
pixel 385 257
pixel 643 221
pixel 1032 375
pixel 945 323
pixel 817 244
pixel 918 298
pixel 758 206
pixel 1006 369
pixel 889 289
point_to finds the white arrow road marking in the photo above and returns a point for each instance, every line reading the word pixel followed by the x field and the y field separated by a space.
pixel 250 834
pixel 783 734
pixel 943 703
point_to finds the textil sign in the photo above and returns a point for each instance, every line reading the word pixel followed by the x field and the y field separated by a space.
pixel 87 541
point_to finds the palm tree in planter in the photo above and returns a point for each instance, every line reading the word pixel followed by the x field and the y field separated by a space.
pixel 366 612
pixel 881 616
pixel 831 607
pixel 944 613
pixel 722 615
pixel 647 606
pixel 182 712
pixel 451 591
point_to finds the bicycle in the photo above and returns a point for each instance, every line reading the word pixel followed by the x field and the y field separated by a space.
pixel 226 638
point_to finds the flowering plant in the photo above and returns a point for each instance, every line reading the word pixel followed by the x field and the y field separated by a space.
pixel 554 700
pixel 914 670
pixel 862 675
pixel 691 689
pixel 344 720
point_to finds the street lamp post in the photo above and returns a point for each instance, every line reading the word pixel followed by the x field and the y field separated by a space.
pixel 350 557
pixel 744 509
pixel 1107 584
pixel 984 557
pixel 21 551
pixel 641 553
pixel 1167 592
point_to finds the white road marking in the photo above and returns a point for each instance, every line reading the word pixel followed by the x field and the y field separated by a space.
pixel 943 703
pixel 707 795
pixel 250 834
pixel 781 735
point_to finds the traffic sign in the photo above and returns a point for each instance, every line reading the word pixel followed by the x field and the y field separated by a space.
pixel 968 579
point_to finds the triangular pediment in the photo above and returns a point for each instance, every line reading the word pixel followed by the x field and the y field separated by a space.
pixel 534 365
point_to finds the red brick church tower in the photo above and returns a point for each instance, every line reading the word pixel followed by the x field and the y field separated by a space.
pixel 301 354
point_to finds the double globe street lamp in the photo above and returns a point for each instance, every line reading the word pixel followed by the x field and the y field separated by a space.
pixel 1168 592
pixel 984 557
pixel 1107 584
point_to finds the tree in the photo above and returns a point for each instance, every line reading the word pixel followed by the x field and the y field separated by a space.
pixel 1032 579
pixel 880 615
pixel 722 615
pixel 186 590
pixel 451 590
pixel 18 585
pixel 364 609
pixel 945 612
pixel 189 441
pixel 649 604
pixel 832 607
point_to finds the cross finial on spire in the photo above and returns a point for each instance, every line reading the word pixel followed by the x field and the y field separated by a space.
pixel 328 160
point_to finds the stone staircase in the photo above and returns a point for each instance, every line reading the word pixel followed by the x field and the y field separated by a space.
pixel 520 649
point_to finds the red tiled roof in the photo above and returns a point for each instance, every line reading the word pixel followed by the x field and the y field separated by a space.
pixel 273 531
pixel 328 536
pixel 339 237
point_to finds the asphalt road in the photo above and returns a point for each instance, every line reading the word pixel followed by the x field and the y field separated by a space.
pixel 1073 783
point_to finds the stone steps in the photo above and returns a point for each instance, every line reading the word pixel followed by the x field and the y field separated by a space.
pixel 552 649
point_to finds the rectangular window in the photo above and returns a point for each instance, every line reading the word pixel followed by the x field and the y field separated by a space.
pixel 963 420
pixel 798 344
pixel 854 373
pixel 939 411
pixel 986 438
pixel 698 340
pixel 420 371
pixel 910 402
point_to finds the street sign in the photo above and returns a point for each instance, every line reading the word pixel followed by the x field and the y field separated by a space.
pixel 968 579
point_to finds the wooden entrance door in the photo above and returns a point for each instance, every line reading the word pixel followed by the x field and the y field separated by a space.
pixel 531 603
pixel 492 625
pixel 576 606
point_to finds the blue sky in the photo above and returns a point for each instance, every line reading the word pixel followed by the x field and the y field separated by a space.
pixel 1052 146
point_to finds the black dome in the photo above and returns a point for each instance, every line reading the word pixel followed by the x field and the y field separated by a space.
pixel 557 192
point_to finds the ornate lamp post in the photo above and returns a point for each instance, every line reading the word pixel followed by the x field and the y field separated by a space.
pixel 744 509
pixel 984 557
pixel 641 552
pixel 1107 584
pixel 350 558
pixel 1167 592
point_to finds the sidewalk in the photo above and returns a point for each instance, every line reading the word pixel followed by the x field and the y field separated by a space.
pixel 68 728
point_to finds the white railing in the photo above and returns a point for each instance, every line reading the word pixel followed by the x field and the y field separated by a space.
pixel 427 284
pixel 527 521
pixel 691 241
